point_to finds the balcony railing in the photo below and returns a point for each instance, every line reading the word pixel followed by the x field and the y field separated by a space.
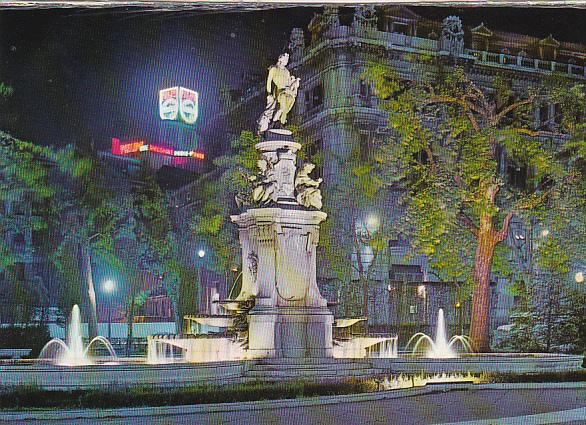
pixel 389 39
pixel 525 63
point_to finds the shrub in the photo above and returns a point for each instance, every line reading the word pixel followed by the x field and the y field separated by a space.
pixel 27 397
pixel 31 336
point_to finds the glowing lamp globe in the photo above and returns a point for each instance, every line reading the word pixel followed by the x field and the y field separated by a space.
pixel 109 286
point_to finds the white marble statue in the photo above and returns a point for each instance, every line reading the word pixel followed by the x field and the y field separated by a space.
pixel 282 90
pixel 308 193
pixel 266 183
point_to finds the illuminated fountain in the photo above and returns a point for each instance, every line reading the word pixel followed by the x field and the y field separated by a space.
pixel 441 347
pixel 204 349
pixel 160 351
pixel 73 352
pixel 360 347
pixel 403 381
pixel 388 349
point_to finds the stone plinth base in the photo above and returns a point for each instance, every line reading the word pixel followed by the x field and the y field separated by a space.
pixel 299 332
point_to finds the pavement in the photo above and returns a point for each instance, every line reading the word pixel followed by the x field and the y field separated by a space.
pixel 508 406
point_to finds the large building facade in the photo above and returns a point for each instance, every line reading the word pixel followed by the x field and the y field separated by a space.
pixel 337 113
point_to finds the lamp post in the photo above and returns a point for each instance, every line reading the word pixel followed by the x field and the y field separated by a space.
pixel 200 253
pixel 109 287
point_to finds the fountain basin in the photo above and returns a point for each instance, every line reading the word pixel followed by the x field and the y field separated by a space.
pixel 128 373
pixel 133 372
pixel 521 363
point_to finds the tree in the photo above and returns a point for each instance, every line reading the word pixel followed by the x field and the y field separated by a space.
pixel 143 241
pixel 24 187
pixel 451 138
pixel 84 217
pixel 354 239
pixel 212 223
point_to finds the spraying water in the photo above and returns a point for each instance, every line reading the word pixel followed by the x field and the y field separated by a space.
pixel 441 347
pixel 72 352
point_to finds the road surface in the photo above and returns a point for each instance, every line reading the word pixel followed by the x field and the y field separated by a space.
pixel 471 407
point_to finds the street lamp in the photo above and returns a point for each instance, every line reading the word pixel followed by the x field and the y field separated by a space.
pixel 201 253
pixel 109 287
pixel 579 277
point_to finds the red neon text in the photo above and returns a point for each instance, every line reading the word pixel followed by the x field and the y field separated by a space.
pixel 131 147
pixel 161 150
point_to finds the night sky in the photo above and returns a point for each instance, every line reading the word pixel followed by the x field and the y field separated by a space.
pixel 89 75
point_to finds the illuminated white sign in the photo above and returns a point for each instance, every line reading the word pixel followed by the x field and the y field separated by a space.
pixel 169 103
pixel 178 103
pixel 188 105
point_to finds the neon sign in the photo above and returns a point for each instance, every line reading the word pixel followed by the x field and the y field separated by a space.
pixel 134 146
pixel 131 147
pixel 178 103
pixel 169 103
pixel 188 105
pixel 162 150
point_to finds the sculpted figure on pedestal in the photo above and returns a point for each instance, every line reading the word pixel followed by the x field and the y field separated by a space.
pixel 364 16
pixel 452 38
pixel 282 90
pixel 308 193
pixel 266 183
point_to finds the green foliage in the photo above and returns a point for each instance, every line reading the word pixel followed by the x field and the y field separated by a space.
pixel 575 376
pixel 446 147
pixel 212 224
pixel 33 337
pixel 29 397
pixel 552 256
pixel 24 188
pixel 5 90
pixel 83 219
pixel 549 316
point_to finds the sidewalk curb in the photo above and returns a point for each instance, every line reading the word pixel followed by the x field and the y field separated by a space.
pixel 271 404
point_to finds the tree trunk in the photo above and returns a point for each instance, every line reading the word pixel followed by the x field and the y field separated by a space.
pixel 89 292
pixel 364 280
pixel 365 292
pixel 130 323
pixel 175 305
pixel 480 320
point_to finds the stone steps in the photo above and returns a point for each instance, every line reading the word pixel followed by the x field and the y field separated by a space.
pixel 334 367
pixel 310 361
pixel 316 373
pixel 310 368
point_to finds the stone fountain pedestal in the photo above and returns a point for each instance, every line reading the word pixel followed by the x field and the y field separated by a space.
pixel 290 317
